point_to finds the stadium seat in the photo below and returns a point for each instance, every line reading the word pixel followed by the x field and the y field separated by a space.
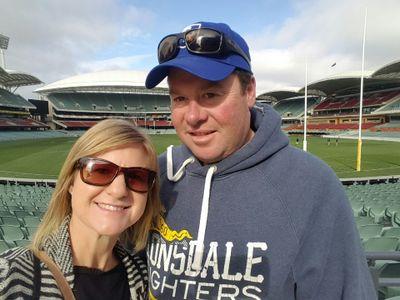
pixel 30 232
pixel 391 270
pixel 31 221
pixel 381 244
pixel 378 210
pixel 29 207
pixel 22 243
pixel 3 246
pixel 41 205
pixel 22 213
pixel 6 213
pixel 396 219
pixel 39 213
pixel 11 233
pixel 392 231
pixel 358 208
pixel 13 207
pixel 393 209
pixel 370 230
pixel 360 220
pixel 10 220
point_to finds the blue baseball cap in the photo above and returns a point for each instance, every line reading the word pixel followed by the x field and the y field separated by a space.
pixel 207 67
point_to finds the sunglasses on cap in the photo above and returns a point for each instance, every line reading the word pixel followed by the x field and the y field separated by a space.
pixel 201 41
pixel 101 172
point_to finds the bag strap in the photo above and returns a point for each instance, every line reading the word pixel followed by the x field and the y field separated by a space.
pixel 58 275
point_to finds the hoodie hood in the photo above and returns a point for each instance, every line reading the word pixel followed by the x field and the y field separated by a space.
pixel 268 139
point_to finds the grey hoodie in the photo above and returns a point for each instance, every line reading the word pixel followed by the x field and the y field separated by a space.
pixel 267 222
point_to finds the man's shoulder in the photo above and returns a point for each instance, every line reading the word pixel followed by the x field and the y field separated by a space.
pixel 297 162
pixel 303 177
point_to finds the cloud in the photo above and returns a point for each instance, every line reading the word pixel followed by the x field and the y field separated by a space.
pixel 324 32
pixel 53 39
pixel 116 63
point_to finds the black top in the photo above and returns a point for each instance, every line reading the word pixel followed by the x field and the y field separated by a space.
pixel 95 284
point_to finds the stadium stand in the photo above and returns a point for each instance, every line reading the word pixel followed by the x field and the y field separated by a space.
pixel 22 207
pixel 376 207
pixel 21 210
pixel 294 107
pixel 373 134
pixel 331 127
pixel 33 135
pixel 106 102
pixel 391 107
pixel 14 109
pixel 20 123
pixel 11 100
pixel 81 101
pixel 337 107
pixel 345 104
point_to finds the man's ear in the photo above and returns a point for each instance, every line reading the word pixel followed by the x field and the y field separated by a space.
pixel 251 92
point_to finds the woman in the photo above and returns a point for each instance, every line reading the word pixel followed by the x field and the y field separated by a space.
pixel 106 197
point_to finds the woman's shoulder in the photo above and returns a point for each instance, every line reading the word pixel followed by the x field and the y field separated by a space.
pixel 16 255
pixel 16 268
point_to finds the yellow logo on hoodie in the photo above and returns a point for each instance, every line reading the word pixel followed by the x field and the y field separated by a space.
pixel 169 234
pixel 151 297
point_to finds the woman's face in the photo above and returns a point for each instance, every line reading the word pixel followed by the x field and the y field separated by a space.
pixel 109 210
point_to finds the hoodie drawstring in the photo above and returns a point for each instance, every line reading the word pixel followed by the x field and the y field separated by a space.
pixel 198 255
pixel 199 250
pixel 170 166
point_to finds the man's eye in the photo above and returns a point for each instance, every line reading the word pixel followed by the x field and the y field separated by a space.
pixel 210 95
pixel 178 99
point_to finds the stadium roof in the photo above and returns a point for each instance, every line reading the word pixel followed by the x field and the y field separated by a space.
pixel 342 82
pixel 10 78
pixel 391 70
pixel 279 95
pixel 123 80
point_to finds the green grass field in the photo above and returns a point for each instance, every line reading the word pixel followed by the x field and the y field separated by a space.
pixel 43 158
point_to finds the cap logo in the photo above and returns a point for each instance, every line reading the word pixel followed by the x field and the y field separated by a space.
pixel 191 27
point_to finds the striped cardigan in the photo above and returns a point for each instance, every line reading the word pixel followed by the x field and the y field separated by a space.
pixel 17 269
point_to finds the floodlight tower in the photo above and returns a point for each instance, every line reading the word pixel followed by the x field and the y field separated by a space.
pixel 3 46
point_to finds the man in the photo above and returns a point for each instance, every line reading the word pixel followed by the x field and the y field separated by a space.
pixel 247 215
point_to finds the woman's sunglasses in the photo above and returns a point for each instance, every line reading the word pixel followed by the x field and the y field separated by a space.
pixel 101 172
pixel 202 41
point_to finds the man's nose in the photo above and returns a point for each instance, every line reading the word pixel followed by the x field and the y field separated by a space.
pixel 195 113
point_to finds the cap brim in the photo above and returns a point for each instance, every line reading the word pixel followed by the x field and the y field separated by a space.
pixel 200 66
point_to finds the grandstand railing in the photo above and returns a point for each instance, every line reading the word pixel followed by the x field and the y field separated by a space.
pixel 372 257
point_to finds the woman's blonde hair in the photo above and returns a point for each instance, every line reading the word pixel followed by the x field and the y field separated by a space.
pixel 104 136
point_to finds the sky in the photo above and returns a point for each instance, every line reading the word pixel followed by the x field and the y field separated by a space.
pixel 56 39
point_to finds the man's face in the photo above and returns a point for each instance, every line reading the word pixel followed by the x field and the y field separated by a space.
pixel 211 118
